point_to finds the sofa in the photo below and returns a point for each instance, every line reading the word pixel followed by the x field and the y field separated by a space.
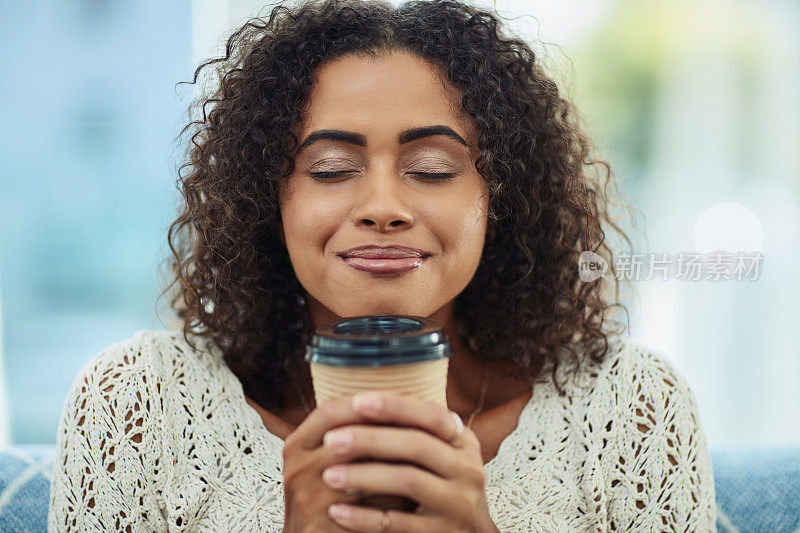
pixel 757 488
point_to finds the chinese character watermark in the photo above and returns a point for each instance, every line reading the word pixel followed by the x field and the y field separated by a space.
pixel 719 265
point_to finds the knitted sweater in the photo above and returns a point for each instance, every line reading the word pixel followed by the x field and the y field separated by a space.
pixel 156 436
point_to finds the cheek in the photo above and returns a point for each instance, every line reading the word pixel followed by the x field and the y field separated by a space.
pixel 461 228
pixel 309 221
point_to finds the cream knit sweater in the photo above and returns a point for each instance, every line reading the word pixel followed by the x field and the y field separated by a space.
pixel 155 436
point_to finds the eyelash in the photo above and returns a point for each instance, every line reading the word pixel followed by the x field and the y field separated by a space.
pixel 436 176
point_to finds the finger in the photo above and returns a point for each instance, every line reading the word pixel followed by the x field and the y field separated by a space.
pixel 333 413
pixel 366 519
pixel 400 444
pixel 398 479
pixel 410 411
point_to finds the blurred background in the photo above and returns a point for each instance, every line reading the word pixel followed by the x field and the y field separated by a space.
pixel 695 104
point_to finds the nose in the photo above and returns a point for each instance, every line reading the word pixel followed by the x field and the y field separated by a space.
pixel 381 204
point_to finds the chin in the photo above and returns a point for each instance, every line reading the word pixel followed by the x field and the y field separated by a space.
pixel 384 308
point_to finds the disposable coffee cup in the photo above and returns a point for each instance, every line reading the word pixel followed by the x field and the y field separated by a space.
pixel 402 354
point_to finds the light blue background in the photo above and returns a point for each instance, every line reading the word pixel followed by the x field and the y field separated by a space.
pixel 89 111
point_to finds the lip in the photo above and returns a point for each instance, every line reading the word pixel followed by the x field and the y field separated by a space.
pixel 374 251
pixel 384 259
pixel 384 265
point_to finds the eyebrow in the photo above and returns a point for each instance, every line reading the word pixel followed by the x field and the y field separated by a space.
pixel 406 136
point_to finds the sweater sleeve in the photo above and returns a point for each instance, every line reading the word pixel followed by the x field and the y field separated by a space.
pixel 109 445
pixel 659 475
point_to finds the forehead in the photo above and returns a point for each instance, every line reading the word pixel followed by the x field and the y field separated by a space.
pixel 380 96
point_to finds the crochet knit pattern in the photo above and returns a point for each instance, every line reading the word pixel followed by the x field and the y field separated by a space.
pixel 156 436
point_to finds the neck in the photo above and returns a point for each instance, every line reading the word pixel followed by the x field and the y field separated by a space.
pixel 466 372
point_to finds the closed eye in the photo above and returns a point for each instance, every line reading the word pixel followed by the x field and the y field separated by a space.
pixel 424 175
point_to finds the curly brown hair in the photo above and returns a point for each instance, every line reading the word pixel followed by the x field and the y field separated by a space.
pixel 526 302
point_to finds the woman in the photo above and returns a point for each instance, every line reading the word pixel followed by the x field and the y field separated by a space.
pixel 343 124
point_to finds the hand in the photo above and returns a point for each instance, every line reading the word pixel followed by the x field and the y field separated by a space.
pixel 306 496
pixel 446 478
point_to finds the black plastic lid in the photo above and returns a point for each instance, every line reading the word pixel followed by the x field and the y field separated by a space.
pixel 378 340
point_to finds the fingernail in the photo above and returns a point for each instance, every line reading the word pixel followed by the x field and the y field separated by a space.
pixel 334 475
pixel 369 402
pixel 339 441
pixel 338 511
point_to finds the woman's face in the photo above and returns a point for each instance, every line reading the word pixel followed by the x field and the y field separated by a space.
pixel 378 196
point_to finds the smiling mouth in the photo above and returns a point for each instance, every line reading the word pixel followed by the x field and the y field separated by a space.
pixel 384 265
